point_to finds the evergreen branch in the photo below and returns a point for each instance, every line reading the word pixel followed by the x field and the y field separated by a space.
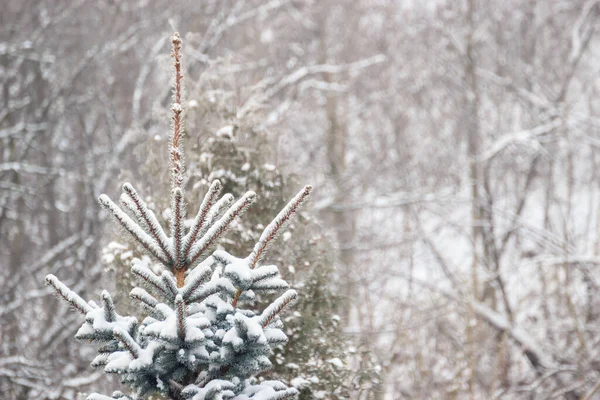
pixel 277 385
pixel 276 307
pixel 169 282
pixel 177 164
pixel 284 394
pixel 147 301
pixel 143 297
pixel 120 395
pixel 199 221
pixel 216 212
pixel 270 284
pixel 153 226
pixel 127 341
pixel 176 145
pixel 223 257
pixel 134 229
pixel 149 278
pixel 101 359
pixel 177 228
pixel 109 307
pixel 177 388
pixel 236 298
pixel 180 316
pixel 98 396
pixel 108 348
pixel 213 215
pixel 264 272
pixel 68 295
pixel 272 230
pixel 275 226
pixel 208 290
pixel 220 227
pixel 129 207
pixel 195 279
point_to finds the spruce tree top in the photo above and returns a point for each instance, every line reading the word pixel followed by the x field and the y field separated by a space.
pixel 197 342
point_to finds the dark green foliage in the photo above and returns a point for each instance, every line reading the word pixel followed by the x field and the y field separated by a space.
pixel 317 352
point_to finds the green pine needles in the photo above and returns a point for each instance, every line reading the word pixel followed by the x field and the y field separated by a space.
pixel 197 341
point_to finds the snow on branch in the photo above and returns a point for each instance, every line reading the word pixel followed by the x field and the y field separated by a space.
pixel 152 224
pixel 169 282
pixel 196 278
pixel 213 287
pixel 110 314
pixel 275 226
pixel 68 295
pixel 177 161
pixel 22 127
pixel 220 227
pixel 221 24
pixel 526 136
pixel 129 207
pixel 180 316
pixel 127 342
pixel 148 277
pixel 200 220
pixel 134 229
pixel 177 227
pixel 303 72
pixel 539 357
pixel 115 396
pixel 277 306
pixel 216 212
pixel 143 297
pixel 269 88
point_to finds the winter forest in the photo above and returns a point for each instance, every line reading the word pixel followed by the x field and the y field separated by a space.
pixel 449 248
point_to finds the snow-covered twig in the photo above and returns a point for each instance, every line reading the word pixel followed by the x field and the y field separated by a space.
pixel 277 306
pixel 134 229
pixel 275 226
pixel 152 224
pixel 200 220
pixel 525 136
pixel 68 295
pixel 220 227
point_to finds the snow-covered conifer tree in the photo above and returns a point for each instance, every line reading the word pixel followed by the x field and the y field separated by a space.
pixel 197 341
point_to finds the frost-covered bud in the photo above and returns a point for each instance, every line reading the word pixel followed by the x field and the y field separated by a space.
pixel 176 107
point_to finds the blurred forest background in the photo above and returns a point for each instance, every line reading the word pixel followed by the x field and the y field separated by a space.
pixel 451 248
